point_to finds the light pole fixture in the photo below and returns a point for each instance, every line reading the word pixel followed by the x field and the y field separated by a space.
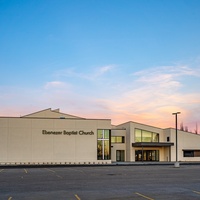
pixel 176 113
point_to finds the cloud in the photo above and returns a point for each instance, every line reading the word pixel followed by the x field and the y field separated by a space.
pixel 54 84
pixel 153 95
pixel 104 69
pixel 174 70
pixel 92 75
pixel 147 96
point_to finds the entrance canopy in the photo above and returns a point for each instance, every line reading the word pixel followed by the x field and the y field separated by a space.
pixel 152 144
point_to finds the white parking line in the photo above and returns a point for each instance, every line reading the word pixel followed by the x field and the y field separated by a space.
pixel 196 192
pixel 53 172
pixel 77 197
pixel 50 170
pixel 144 196
pixel 59 176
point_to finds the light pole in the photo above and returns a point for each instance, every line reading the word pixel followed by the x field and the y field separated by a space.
pixel 176 113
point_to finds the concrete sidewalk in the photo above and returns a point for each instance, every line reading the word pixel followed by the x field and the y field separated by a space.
pixel 152 163
pixel 98 165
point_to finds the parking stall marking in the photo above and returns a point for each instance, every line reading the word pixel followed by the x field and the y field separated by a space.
pixel 1 170
pixel 53 172
pixel 59 176
pixel 144 196
pixel 77 170
pixel 9 198
pixel 50 170
pixel 77 197
pixel 26 171
pixel 196 192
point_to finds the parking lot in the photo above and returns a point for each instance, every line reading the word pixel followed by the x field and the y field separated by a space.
pixel 101 183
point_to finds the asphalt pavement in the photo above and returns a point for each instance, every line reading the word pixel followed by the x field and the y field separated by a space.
pixel 118 182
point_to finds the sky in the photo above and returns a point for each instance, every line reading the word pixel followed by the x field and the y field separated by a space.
pixel 124 60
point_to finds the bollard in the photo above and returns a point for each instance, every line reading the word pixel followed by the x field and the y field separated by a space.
pixel 176 164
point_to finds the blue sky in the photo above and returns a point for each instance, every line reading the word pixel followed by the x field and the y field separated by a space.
pixel 128 60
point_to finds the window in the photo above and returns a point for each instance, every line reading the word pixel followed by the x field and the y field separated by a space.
pixel 117 139
pixel 103 144
pixel 191 153
pixel 155 137
pixel 120 155
pixel 147 155
pixel 146 136
pixel 138 135
pixel 196 153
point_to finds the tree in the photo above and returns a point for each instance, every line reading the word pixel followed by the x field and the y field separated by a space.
pixel 186 129
pixel 196 130
pixel 181 126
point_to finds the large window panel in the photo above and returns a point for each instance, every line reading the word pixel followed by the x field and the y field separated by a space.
pixel 113 140
pixel 100 134
pixel 117 139
pixel 191 153
pixel 100 150
pixel 146 136
pixel 155 137
pixel 138 135
pixel 103 144
pixel 106 150
pixel 106 134
pixel 196 153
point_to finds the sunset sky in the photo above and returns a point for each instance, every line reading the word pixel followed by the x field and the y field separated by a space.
pixel 127 60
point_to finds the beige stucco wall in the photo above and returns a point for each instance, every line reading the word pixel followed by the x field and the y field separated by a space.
pixel 164 153
pixel 118 146
pixel 151 129
pixel 22 140
pixel 186 140
pixel 128 139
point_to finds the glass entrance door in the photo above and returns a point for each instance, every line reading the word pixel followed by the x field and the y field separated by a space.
pixel 120 155
pixel 147 155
